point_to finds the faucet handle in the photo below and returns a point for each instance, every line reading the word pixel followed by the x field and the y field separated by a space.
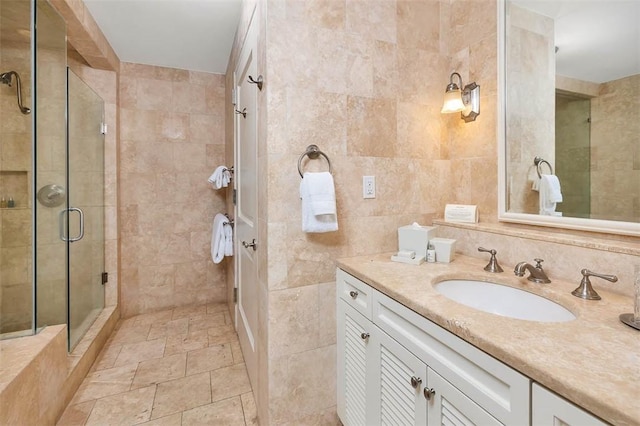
pixel 538 263
pixel 585 290
pixel 492 266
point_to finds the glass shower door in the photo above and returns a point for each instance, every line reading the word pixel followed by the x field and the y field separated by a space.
pixel 85 215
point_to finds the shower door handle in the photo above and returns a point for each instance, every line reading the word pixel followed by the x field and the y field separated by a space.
pixel 81 234
pixel 62 226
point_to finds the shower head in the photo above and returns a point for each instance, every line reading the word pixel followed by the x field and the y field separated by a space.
pixel 5 78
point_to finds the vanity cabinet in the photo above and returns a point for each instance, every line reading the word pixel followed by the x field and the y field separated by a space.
pixel 396 367
pixel 549 409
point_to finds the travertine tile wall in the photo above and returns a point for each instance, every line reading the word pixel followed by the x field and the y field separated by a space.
pixel 16 178
pixel 365 83
pixel 615 150
pixel 531 100
pixel 171 140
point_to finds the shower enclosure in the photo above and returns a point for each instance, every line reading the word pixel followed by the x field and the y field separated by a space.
pixel 51 179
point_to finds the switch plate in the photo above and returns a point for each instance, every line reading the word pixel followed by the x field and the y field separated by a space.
pixel 368 187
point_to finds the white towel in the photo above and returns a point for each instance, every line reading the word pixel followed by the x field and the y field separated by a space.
pixel 220 177
pixel 549 194
pixel 319 212
pixel 228 239
pixel 218 239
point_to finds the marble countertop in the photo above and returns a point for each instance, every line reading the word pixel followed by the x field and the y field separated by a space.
pixel 593 361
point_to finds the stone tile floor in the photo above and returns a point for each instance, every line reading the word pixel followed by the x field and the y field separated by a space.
pixel 181 366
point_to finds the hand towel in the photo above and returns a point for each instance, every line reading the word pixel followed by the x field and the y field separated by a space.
pixel 218 238
pixel 220 177
pixel 319 213
pixel 228 239
pixel 322 194
pixel 549 194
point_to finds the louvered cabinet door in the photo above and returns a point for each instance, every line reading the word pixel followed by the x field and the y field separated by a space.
pixel 400 378
pixel 449 406
pixel 354 377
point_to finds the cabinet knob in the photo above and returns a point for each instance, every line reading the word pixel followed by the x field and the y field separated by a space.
pixel 353 294
pixel 416 382
pixel 428 393
pixel 364 336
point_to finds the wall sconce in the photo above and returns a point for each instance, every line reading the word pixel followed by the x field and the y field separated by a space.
pixel 465 101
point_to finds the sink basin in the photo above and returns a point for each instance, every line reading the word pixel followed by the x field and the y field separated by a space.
pixel 504 301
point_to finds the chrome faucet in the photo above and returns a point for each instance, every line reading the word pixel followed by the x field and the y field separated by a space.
pixel 585 291
pixel 536 273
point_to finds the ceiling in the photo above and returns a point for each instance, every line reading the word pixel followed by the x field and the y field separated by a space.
pixel 195 35
pixel 597 40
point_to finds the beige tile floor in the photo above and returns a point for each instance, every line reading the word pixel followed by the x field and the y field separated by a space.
pixel 176 367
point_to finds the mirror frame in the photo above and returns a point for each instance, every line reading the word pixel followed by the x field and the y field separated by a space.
pixel 591 225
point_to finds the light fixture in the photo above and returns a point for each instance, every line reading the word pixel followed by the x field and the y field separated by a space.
pixel 465 101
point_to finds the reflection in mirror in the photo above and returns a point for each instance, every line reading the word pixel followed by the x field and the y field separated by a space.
pixel 571 95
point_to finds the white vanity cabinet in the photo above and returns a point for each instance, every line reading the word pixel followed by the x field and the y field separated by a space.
pixel 549 409
pixel 396 367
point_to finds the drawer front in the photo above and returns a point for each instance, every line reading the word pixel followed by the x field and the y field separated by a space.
pixel 494 386
pixel 354 292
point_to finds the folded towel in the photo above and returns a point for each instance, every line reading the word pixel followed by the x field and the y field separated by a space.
pixel 319 212
pixel 220 177
pixel 322 194
pixel 218 239
pixel 549 194
pixel 228 239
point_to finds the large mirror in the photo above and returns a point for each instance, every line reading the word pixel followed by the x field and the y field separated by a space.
pixel 570 114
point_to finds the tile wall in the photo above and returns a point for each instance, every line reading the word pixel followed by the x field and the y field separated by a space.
pixel 367 89
pixel 615 152
pixel 171 140
pixel 16 178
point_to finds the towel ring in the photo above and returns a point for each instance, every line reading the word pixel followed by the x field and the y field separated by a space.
pixel 538 161
pixel 312 152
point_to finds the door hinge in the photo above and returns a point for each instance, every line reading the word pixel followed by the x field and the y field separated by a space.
pixel 105 278
pixel 235 295
pixel 103 128
pixel 235 196
pixel 234 100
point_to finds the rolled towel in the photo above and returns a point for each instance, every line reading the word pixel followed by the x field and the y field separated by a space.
pixel 218 240
pixel 318 203
pixel 220 177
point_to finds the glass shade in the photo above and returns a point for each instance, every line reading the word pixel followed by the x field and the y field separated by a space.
pixel 452 101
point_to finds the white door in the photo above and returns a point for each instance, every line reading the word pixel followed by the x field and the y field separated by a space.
pixel 246 219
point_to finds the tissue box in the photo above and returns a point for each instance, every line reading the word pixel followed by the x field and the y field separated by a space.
pixel 416 238
pixel 444 249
